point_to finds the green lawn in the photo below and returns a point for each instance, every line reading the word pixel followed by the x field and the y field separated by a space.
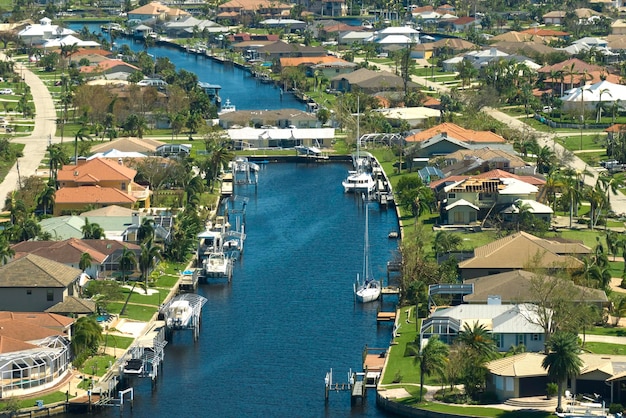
pixel 398 362
pixel 608 331
pixel 477 411
pixel 117 341
pixel 141 298
pixel 166 281
pixel 573 142
pixel 136 312
pixel 605 348
pixel 97 365
pixel 31 401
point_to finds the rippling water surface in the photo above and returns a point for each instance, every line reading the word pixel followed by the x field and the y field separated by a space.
pixel 288 316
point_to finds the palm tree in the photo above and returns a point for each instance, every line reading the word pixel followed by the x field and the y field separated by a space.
pixel 150 253
pixel 127 262
pixel 92 231
pixel 432 359
pixel 85 261
pixel 57 158
pixel 562 360
pixel 86 338
pixel 82 134
pixel 478 340
pixel 145 230
pixel 6 252
pixel 446 242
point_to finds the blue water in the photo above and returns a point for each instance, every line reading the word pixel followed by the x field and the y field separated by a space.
pixel 268 338
pixel 237 85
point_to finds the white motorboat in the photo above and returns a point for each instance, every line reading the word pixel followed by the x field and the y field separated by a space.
pixel 367 290
pixel 359 182
pixel 227 108
pixel 179 314
pixel 218 265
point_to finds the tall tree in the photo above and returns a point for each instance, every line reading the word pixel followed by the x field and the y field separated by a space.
pixel 85 261
pixel 562 360
pixel 127 263
pixel 86 338
pixel 150 253
pixel 432 359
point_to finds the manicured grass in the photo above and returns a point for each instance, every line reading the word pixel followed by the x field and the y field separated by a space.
pixel 136 312
pixel 605 348
pixel 573 143
pixel 141 298
pixel 608 331
pixel 31 401
pixel 117 341
pixel 398 362
pixel 97 365
pixel 166 281
pixel 592 158
pixel 5 166
pixel 479 411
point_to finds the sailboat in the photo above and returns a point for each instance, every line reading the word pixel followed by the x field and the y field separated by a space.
pixel 359 181
pixel 367 289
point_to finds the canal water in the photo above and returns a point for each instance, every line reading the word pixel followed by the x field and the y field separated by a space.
pixel 238 86
pixel 268 338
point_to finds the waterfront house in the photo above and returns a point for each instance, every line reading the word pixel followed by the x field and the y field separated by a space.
pixel 157 11
pixel 508 325
pixel 110 69
pixel 37 34
pixel 244 138
pixel 236 10
pixel 57 43
pixel 280 49
pixel 187 26
pixel 34 352
pixel 99 182
pixel 554 17
pixel 484 159
pixel 34 283
pixel 517 251
pixel 129 144
pixel 119 224
pixel 70 251
pixel 280 118
pixel 369 81
pixel 413 116
pixel 519 286
pixel 523 376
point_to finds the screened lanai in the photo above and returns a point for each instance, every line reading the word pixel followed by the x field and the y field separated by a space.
pixel 33 369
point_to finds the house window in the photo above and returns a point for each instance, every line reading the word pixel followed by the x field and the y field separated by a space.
pixel 521 339
pixel 29 292
pixel 499 340
pixel 50 296
pixel 123 186
pixel 536 337
pixel 451 195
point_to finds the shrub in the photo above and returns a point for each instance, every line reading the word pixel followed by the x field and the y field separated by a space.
pixel 615 408
pixel 551 390
pixel 397 378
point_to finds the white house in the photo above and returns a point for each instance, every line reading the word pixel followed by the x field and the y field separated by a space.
pixel 590 95
pixel 38 33
pixel 509 325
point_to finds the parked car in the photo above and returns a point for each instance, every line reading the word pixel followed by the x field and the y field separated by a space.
pixel 6 91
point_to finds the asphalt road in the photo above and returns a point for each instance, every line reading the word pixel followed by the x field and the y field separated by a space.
pixel 36 143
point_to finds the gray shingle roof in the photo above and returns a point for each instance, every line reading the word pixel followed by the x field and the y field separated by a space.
pixel 34 271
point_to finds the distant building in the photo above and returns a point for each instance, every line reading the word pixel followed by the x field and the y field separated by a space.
pixel 39 33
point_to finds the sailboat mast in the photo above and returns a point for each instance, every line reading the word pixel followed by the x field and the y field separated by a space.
pixel 366 248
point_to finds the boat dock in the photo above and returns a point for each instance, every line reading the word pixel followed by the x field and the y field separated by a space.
pixel 188 281
pixel 183 312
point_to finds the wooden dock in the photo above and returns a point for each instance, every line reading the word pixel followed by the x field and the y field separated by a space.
pixel 386 317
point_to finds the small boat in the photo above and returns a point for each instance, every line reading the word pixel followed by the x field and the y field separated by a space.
pixel 227 108
pixel 369 289
pixel 359 182
pixel 218 265
pixel 133 366
pixel 179 314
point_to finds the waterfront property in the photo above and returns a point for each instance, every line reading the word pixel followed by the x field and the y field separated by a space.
pixel 35 352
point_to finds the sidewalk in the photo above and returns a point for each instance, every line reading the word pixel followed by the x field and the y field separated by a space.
pixel 42 134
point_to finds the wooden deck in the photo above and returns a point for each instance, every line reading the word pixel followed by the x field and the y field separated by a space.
pixel 374 362
pixel 386 317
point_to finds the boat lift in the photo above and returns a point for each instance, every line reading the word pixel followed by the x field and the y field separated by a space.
pixel 244 171
pixel 144 357
pixel 355 385
pixel 196 302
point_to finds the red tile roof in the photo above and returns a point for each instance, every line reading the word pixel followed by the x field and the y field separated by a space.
pixel 96 170
pixel 92 195
pixel 67 251
pixel 456 132
pixel 46 320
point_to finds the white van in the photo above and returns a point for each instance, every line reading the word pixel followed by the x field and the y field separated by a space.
pixel 152 82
